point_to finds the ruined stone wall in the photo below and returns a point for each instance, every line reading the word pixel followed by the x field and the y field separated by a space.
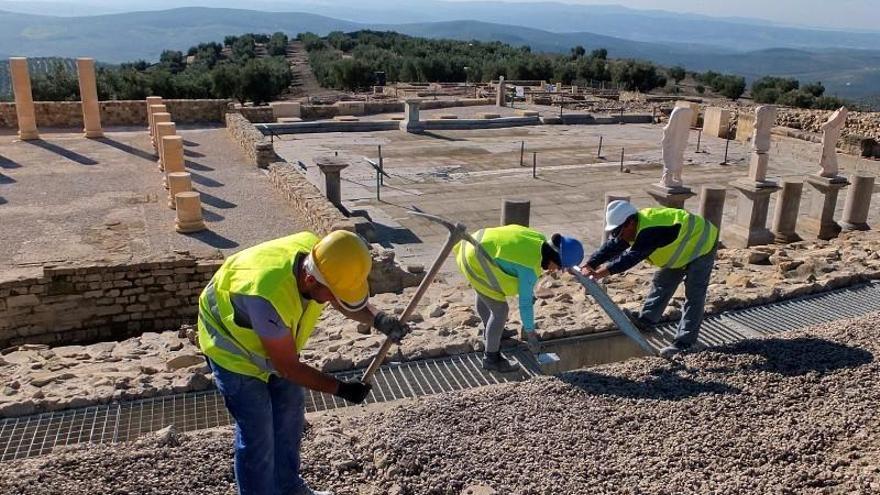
pixel 257 115
pixel 310 205
pixel 102 301
pixel 255 145
pixel 68 114
pixel 377 107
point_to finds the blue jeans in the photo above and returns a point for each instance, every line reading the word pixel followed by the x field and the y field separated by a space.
pixel 696 284
pixel 269 419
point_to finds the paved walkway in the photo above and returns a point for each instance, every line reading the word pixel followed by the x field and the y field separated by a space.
pixel 66 197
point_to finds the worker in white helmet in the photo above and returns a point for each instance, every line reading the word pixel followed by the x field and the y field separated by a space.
pixel 255 317
pixel 680 243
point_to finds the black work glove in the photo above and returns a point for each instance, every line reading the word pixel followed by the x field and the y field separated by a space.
pixel 354 391
pixel 391 326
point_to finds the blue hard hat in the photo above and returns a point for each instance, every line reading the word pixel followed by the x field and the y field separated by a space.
pixel 571 251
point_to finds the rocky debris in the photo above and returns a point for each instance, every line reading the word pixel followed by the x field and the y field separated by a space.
pixel 794 413
pixel 861 124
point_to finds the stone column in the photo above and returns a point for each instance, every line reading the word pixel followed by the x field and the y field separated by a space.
pixel 788 206
pixel 163 129
pixel 150 101
pixel 765 119
pixel 611 196
pixel 858 202
pixel 24 99
pixel 189 212
pixel 823 202
pixel 712 204
pixel 172 156
pixel 411 122
pixel 752 207
pixel 158 118
pixel 88 91
pixel 331 168
pixel 178 182
pixel 501 94
pixel 515 212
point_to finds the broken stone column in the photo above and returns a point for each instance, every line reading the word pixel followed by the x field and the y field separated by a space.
pixel 820 220
pixel 858 202
pixel 24 99
pixel 172 156
pixel 158 118
pixel 831 130
pixel 331 168
pixel 610 197
pixel 151 102
pixel 501 94
pixel 411 122
pixel 88 91
pixel 788 206
pixel 712 204
pixel 515 212
pixel 163 129
pixel 189 212
pixel 178 182
pixel 753 203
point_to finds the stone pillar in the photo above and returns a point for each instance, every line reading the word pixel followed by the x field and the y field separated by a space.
pixel 712 204
pixel 750 226
pixel 154 106
pixel 158 118
pixel 858 202
pixel 163 129
pixel 24 99
pixel 331 168
pixel 501 93
pixel 673 197
pixel 611 196
pixel 765 118
pixel 788 206
pixel 716 122
pixel 515 212
pixel 411 122
pixel 88 91
pixel 189 212
pixel 820 219
pixel 172 156
pixel 178 182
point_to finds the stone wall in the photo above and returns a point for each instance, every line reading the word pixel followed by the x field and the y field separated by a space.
pixel 68 114
pixel 377 107
pixel 102 301
pixel 255 145
pixel 310 205
pixel 257 115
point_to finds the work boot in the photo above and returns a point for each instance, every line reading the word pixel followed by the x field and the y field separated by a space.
pixel 307 490
pixel 508 334
pixel 640 323
pixel 494 361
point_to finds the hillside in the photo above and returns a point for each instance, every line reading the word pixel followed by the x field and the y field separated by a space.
pixel 847 72
pixel 37 66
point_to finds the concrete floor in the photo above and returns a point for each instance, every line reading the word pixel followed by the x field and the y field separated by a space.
pixel 66 197
pixel 465 175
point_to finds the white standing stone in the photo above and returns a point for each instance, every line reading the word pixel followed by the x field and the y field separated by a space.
pixel 675 140
pixel 765 119
pixel 830 135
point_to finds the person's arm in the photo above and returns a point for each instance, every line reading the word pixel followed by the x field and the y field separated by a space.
pixel 610 249
pixel 282 353
pixel 648 241
pixel 380 320
pixel 526 281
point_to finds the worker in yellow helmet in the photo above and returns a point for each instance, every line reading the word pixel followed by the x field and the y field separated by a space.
pixel 255 317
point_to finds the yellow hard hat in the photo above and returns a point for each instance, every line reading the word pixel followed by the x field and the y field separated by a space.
pixel 343 262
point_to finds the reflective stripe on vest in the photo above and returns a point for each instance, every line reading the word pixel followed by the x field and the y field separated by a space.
pixel 686 247
pixel 484 260
pixel 223 337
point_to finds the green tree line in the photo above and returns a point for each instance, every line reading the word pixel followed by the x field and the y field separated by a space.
pixel 239 74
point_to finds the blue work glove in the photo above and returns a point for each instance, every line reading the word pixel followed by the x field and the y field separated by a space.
pixel 391 326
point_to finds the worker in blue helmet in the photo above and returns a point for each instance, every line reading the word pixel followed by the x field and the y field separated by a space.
pixel 509 262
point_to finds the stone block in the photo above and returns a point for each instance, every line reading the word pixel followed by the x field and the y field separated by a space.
pixel 695 109
pixel 23 301
pixel 716 122
pixel 286 109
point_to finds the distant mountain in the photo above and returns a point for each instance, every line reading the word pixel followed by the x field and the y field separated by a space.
pixel 143 35
pixel 653 26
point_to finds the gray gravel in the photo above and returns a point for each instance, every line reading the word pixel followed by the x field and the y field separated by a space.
pixel 796 414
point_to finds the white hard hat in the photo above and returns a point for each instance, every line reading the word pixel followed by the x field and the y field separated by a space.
pixel 617 212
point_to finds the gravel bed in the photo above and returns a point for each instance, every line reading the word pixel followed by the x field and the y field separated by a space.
pixel 791 414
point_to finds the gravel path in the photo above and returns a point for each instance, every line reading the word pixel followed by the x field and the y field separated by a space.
pixel 795 414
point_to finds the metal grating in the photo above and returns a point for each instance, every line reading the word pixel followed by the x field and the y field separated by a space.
pixel 29 436
pixel 38 434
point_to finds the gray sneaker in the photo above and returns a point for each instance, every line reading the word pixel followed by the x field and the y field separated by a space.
pixel 494 361
pixel 671 351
